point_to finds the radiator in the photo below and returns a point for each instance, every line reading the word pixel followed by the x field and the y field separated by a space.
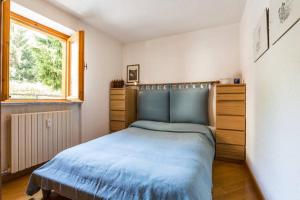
pixel 38 137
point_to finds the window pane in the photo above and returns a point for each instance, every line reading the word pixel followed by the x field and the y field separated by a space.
pixel 36 64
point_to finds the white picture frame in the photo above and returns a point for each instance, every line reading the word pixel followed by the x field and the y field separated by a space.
pixel 284 15
pixel 261 36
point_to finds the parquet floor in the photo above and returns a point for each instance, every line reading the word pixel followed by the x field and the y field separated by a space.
pixel 231 182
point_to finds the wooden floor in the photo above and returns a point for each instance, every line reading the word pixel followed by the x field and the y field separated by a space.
pixel 231 182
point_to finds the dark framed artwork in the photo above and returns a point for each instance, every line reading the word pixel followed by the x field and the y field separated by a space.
pixel 261 36
pixel 133 74
pixel 284 15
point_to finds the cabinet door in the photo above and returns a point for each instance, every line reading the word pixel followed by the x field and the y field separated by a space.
pixel 117 125
pixel 117 105
pixel 230 89
pixel 230 97
pixel 231 122
pixel 117 115
pixel 231 108
pixel 117 91
pixel 228 151
pixel 117 97
pixel 230 137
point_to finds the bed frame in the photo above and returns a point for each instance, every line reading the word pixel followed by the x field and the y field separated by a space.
pixel 180 85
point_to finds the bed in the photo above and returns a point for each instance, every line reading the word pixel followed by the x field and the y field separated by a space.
pixel 148 160
pixel 167 154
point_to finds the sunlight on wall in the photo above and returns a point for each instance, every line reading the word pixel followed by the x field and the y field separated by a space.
pixel 39 18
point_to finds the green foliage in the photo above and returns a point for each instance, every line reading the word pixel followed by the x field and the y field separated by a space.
pixel 34 58
pixel 21 58
pixel 48 55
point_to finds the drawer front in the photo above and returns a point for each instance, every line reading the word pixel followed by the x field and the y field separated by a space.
pixel 117 91
pixel 230 89
pixel 230 97
pixel 231 122
pixel 117 125
pixel 230 137
pixel 228 151
pixel 117 105
pixel 117 97
pixel 117 115
pixel 231 108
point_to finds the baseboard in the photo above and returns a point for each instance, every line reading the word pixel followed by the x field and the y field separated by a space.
pixel 9 176
pixel 261 196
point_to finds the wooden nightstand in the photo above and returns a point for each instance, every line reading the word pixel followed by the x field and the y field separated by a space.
pixel 231 122
pixel 122 108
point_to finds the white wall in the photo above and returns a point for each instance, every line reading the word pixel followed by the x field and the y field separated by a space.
pixel 273 108
pixel 208 54
pixel 104 59
pixel 103 55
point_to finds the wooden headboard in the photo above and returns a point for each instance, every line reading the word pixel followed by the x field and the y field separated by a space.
pixel 179 85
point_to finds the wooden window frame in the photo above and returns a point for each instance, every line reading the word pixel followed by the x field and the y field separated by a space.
pixel 33 25
pixel 5 49
pixel 78 36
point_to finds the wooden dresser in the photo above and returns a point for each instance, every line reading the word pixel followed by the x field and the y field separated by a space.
pixel 231 122
pixel 122 108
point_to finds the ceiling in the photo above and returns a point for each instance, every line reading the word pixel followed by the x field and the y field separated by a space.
pixel 136 20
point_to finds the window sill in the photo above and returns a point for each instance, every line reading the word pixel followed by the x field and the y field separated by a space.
pixel 28 102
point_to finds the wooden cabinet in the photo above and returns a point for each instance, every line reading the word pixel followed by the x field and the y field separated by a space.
pixel 122 108
pixel 231 122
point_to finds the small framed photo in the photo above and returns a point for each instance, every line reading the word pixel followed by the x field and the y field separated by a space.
pixel 133 74
pixel 261 36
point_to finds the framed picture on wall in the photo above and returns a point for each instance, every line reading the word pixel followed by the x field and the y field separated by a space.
pixel 261 36
pixel 133 74
pixel 284 15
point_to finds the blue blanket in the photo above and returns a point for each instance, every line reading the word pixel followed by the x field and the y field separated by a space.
pixel 148 160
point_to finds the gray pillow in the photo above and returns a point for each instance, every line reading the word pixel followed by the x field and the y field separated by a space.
pixel 189 105
pixel 154 105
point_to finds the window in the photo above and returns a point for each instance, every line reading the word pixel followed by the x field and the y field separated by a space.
pixel 35 64
pixel 40 63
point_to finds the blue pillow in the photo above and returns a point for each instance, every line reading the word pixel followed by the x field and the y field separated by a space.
pixel 189 105
pixel 154 105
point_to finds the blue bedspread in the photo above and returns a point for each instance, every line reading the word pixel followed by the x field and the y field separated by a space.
pixel 149 160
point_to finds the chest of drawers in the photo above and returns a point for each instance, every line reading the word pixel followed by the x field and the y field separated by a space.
pixel 231 122
pixel 122 108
